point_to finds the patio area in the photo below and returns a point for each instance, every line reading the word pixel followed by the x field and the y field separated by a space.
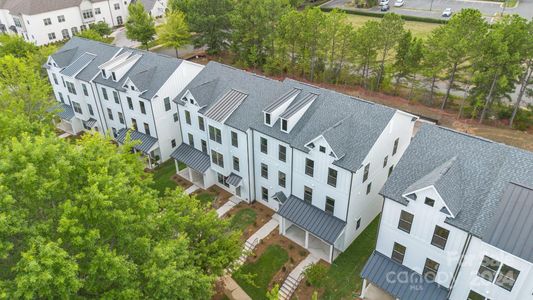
pixel 315 246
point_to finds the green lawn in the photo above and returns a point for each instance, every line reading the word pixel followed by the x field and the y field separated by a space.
pixel 162 176
pixel 243 218
pixel 343 277
pixel 205 197
pixel 264 270
pixel 419 29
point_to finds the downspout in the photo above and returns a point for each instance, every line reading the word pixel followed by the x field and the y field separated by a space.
pixel 253 166
pixel 100 100
pixel 292 166
pixel 249 175
pixel 459 264
pixel 97 107
pixel 349 196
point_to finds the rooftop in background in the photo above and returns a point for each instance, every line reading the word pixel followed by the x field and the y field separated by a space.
pixel 34 7
pixel 477 188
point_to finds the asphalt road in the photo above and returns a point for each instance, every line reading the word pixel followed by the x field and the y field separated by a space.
pixel 434 8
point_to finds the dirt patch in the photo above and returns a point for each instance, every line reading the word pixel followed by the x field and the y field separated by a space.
pixel 296 255
pixel 263 215
pixel 182 182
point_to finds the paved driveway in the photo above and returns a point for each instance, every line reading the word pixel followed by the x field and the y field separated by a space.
pixel 434 8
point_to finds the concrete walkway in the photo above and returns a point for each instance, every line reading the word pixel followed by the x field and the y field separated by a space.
pixel 291 283
pixel 64 135
pixel 191 189
pixel 227 206
pixel 263 231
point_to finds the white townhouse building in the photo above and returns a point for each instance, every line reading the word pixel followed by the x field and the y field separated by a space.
pixel 315 156
pixel 118 91
pixel 46 21
pixel 457 221
pixel 156 8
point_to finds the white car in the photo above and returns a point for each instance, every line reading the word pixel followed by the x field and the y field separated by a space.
pixel 383 2
pixel 447 13
pixel 398 3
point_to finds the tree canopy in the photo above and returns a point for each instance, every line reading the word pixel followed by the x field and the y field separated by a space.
pixel 140 26
pixel 174 32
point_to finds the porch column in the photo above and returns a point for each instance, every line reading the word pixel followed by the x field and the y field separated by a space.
pixel 306 240
pixel 330 253
pixel 190 174
pixel 149 162
pixel 281 226
pixel 176 165
pixel 363 289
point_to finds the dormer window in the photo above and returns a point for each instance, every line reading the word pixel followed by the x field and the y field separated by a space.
pixel 103 73
pixel 267 118
pixel 322 149
pixel 284 125
pixel 114 76
pixel 429 202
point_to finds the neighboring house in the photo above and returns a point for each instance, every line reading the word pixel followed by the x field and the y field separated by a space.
pixel 315 156
pixel 456 222
pixel 46 21
pixel 109 89
pixel 156 8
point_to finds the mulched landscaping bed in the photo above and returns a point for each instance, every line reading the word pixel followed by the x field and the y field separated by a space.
pixel 184 183
pixel 305 290
pixel 263 215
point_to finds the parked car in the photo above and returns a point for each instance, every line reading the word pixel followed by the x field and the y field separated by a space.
pixel 385 7
pixel 398 3
pixel 447 13
pixel 383 2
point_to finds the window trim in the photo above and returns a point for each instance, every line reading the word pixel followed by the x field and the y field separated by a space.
pixel 332 180
pixel 403 221
pixel 309 167
pixel 438 237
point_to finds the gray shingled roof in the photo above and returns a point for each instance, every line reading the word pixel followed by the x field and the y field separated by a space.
pixel 512 226
pixel 446 179
pixel 77 47
pixel 146 142
pixel 33 7
pixel 149 73
pixel 313 219
pixel 148 4
pixel 486 170
pixel 390 276
pixel 192 157
pixel 332 114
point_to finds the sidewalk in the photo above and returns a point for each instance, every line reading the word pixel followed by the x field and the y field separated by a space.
pixel 293 280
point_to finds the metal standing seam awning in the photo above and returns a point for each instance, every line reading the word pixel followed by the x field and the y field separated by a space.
pixel 90 123
pixel 311 218
pixel 146 141
pixel 280 196
pixel 193 158
pixel 391 276
pixel 65 111
pixel 234 179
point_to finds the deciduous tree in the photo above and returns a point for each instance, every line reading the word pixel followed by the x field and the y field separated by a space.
pixel 174 32
pixel 140 26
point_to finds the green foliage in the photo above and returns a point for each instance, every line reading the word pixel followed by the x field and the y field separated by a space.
pixel 262 271
pixel 209 20
pixel 273 294
pixel 408 57
pixel 84 220
pixel 174 32
pixel 380 15
pixel 316 274
pixel 101 27
pixel 15 45
pixel 254 23
pixel 243 218
pixel 91 35
pixel 140 26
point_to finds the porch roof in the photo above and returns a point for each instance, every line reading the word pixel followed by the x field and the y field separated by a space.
pixel 380 269
pixel 311 218
pixel 192 157
pixel 90 123
pixel 65 112
pixel 146 141
pixel 234 179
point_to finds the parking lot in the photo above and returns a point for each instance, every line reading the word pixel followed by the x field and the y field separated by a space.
pixel 434 8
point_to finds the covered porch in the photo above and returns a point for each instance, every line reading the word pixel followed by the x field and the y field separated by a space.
pixel 143 143
pixel 67 120
pixel 310 227
pixel 197 163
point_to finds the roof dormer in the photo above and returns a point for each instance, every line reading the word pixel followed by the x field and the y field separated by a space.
pixel 290 117
pixel 321 145
pixel 272 112
pixel 118 66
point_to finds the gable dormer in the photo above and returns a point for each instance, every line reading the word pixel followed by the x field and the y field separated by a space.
pixel 119 65
pixel 272 112
pixel 441 188
pixel 321 145
pixel 290 117
pixel 188 99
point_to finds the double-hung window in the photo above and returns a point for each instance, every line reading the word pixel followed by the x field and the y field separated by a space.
pixel 77 107
pixel 440 237
pixel 431 268
pixel 398 253
pixel 187 117
pixel 215 134
pixel 282 153
pixel 500 274
pixel 234 139
pixel 217 158
pixel 332 177
pixel 308 194
pixel 264 145
pixel 143 108
pixel 167 103
pixel 281 179
pixel 309 167
pixel 236 164
pixel 201 123
pixel 130 103
pixel 330 205
pixel 264 171
pixel 406 221
pixel 115 96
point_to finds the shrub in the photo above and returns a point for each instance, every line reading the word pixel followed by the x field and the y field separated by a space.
pixel 315 275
